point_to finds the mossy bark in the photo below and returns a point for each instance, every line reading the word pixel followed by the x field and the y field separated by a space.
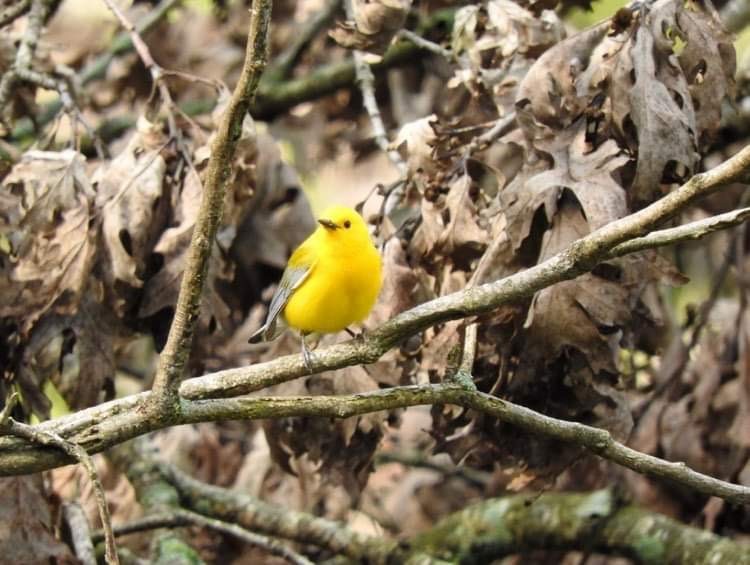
pixel 591 522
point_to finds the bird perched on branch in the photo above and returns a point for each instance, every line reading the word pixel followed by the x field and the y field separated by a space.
pixel 330 282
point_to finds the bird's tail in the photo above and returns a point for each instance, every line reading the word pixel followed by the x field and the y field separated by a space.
pixel 259 335
pixel 267 332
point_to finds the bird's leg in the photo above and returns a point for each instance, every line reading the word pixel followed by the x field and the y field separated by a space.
pixel 306 353
pixel 360 335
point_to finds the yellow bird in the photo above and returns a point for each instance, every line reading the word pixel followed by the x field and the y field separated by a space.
pixel 330 282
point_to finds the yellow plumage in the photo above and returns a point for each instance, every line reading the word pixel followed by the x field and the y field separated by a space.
pixel 331 280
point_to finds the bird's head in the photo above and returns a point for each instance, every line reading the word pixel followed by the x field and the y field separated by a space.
pixel 342 225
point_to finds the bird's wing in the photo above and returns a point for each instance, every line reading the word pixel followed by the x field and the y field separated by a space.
pixel 299 267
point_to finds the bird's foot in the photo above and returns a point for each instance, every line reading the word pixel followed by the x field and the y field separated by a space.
pixel 307 356
pixel 359 336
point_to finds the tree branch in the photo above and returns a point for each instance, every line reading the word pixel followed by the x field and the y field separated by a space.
pixel 80 532
pixel 484 531
pixel 596 440
pixel 686 232
pixel 122 43
pixel 177 349
pixel 136 461
pixel 594 521
pixel 102 426
pixel 580 257
pixel 77 453
pixel 255 514
pixel 16 10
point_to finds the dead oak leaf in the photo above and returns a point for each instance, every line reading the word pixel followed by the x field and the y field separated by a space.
pixel 708 60
pixel 375 24
pixel 650 92
pixel 584 313
pixel 588 175
pixel 46 224
pixel 132 204
pixel 26 529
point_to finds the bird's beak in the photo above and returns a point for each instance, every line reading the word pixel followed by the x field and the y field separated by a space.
pixel 328 224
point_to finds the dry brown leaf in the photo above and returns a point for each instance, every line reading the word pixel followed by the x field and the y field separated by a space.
pixel 133 206
pixel 665 131
pixel 416 140
pixel 26 528
pixel 75 352
pixel 48 234
pixel 496 42
pixel 375 24
pixel 341 450
pixel 587 173
pixel 462 236
pixel 708 60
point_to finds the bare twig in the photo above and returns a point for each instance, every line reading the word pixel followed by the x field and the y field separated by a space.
pixel 122 43
pixel 271 545
pixel 77 453
pixel 22 71
pixel 143 524
pixel 366 83
pixel 80 533
pixel 154 69
pixel 179 518
pixel 255 514
pixel 425 44
pixel 10 404
pixel 38 12
pixel 686 232
pixel 177 349
pixel 415 459
pixel 469 349
pixel 14 11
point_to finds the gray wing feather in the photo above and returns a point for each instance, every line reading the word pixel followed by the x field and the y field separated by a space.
pixel 292 278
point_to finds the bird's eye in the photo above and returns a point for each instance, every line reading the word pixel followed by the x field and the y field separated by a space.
pixel 347 224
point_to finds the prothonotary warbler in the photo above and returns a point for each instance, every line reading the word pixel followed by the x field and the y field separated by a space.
pixel 330 282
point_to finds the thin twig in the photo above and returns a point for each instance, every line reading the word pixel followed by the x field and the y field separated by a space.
pixel 271 545
pixel 22 71
pixel 154 69
pixel 687 232
pixel 10 404
pixel 425 44
pixel 95 70
pixel 175 354
pixel 366 82
pixel 76 452
pixel 179 518
pixel 470 475
pixel 469 348
pixel 143 524
pixel 80 533
pixel 38 12
pixel 14 11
